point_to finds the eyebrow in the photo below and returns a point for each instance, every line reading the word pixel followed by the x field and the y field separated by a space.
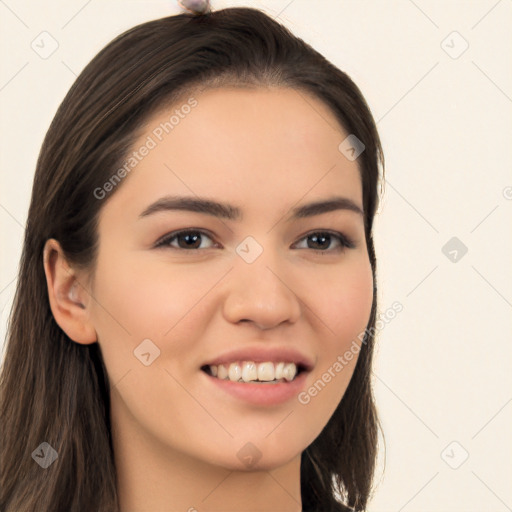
pixel 230 212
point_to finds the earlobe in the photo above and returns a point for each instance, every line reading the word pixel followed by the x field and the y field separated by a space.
pixel 69 300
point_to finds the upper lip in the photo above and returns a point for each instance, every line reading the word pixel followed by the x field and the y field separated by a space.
pixel 262 355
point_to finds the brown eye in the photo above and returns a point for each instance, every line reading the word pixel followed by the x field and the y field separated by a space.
pixel 186 240
pixel 322 241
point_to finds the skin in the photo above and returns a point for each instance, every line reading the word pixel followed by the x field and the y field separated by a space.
pixel 176 436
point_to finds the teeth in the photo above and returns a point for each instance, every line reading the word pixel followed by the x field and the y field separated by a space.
pixel 289 371
pixel 266 371
pixel 249 371
pixel 279 371
pixel 235 372
pixel 222 372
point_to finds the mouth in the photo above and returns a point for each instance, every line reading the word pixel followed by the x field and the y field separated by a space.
pixel 251 372
pixel 259 384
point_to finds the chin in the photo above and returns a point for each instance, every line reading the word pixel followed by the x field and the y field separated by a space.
pixel 250 458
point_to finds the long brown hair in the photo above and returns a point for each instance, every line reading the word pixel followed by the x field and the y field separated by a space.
pixel 57 391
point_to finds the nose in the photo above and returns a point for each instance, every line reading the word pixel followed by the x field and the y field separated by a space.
pixel 262 294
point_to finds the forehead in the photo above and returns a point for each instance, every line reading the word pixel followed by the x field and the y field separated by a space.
pixel 256 147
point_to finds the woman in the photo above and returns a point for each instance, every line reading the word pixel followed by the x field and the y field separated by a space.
pixel 193 325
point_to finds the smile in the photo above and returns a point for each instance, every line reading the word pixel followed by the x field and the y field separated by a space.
pixel 264 383
pixel 249 371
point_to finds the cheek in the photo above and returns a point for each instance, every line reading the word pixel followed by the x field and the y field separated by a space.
pixel 344 303
pixel 343 307
pixel 147 298
pixel 135 301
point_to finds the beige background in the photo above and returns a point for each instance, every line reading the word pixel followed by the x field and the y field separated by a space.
pixel 443 367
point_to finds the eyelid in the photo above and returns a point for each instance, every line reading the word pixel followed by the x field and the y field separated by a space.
pixel 163 240
pixel 345 241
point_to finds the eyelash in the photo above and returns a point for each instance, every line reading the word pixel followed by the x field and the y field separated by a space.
pixel 344 241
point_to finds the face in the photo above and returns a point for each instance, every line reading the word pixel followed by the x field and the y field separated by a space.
pixel 178 291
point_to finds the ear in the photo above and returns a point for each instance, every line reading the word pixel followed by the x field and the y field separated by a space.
pixel 69 299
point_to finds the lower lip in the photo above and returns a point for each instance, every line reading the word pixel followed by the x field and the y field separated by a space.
pixel 262 394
